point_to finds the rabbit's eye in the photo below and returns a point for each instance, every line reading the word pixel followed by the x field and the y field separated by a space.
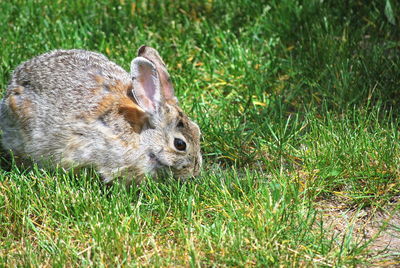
pixel 180 124
pixel 179 144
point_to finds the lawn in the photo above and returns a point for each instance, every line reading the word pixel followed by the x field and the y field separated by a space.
pixel 298 103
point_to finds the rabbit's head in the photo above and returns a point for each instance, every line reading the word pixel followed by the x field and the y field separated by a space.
pixel 171 140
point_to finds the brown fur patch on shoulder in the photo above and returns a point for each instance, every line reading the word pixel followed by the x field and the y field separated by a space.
pixel 132 113
pixel 120 87
pixel 118 99
pixel 106 104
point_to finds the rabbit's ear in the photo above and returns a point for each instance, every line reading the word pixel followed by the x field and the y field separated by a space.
pixel 167 90
pixel 146 84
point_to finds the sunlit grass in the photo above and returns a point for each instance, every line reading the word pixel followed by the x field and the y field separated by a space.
pixel 297 102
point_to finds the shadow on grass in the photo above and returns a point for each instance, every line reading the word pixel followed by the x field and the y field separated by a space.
pixel 6 160
pixel 10 162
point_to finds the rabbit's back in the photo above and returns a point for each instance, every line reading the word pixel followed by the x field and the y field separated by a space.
pixel 67 82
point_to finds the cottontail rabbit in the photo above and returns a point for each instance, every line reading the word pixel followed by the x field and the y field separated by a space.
pixel 77 108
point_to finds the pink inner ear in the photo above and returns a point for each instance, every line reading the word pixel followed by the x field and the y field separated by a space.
pixel 145 102
pixel 146 92
pixel 167 90
pixel 146 84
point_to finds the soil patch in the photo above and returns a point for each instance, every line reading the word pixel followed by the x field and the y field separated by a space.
pixel 378 229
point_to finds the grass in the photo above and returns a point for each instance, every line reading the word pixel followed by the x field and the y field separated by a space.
pixel 297 102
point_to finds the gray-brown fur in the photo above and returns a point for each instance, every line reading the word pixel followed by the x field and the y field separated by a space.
pixel 77 108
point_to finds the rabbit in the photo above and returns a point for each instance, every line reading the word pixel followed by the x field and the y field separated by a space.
pixel 76 108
